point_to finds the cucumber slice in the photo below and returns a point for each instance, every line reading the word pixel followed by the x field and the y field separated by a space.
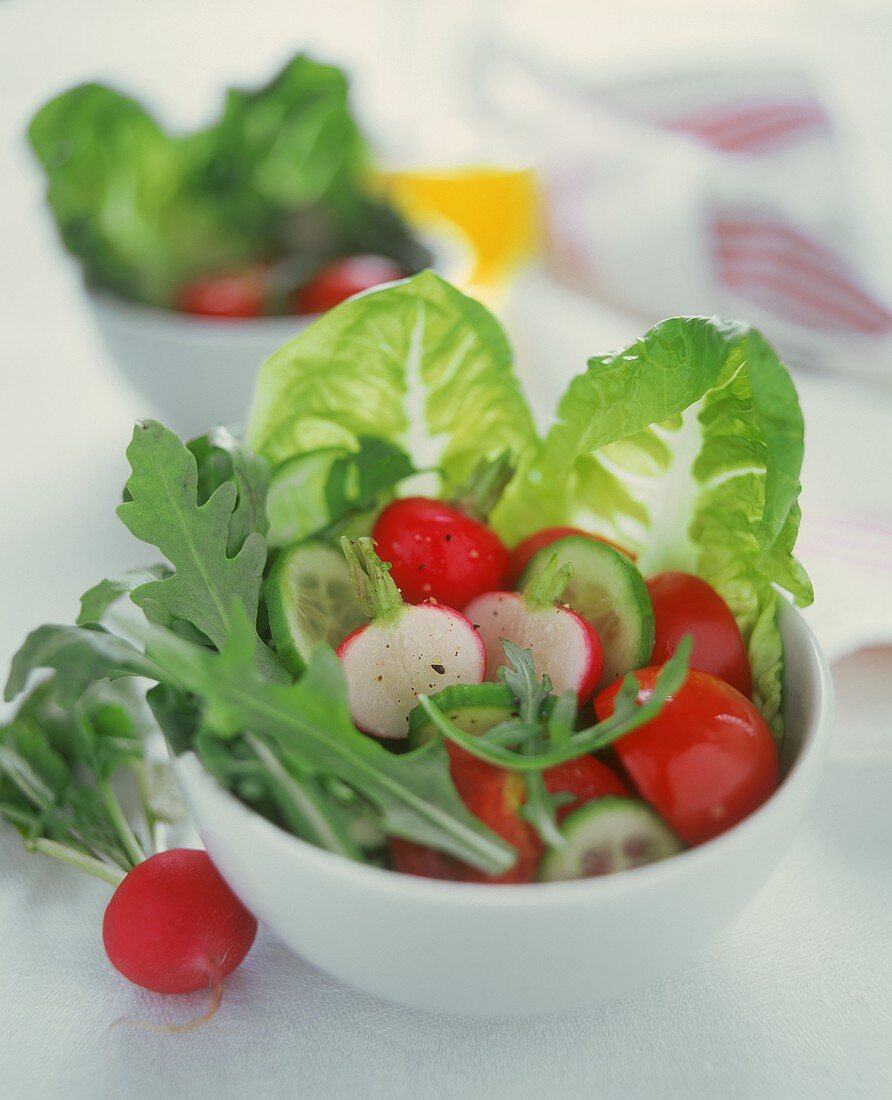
pixel 310 599
pixel 474 708
pixel 610 592
pixel 295 501
pixel 609 834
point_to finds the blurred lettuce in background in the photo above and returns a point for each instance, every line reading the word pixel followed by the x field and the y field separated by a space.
pixel 280 176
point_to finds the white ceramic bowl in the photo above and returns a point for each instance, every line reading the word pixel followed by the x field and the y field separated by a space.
pixel 197 371
pixel 517 950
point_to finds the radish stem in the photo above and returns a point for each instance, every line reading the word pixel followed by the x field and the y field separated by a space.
pixel 112 875
pixel 128 838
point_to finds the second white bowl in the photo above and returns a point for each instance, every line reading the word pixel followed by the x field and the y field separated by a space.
pixel 197 371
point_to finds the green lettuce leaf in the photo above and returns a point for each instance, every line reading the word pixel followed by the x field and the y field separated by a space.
pixel 417 363
pixel 687 447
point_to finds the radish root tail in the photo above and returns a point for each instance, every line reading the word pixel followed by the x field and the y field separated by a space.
pixel 215 985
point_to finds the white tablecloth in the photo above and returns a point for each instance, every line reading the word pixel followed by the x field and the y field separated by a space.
pixel 793 1000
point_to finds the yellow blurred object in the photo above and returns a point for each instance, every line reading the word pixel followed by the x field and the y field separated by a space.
pixel 491 214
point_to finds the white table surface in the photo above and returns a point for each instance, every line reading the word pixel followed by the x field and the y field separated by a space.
pixel 795 999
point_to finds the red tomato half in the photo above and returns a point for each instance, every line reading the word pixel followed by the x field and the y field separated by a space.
pixel 705 762
pixel 586 778
pixel 438 552
pixel 684 604
pixel 523 553
pixel 237 294
pixel 342 279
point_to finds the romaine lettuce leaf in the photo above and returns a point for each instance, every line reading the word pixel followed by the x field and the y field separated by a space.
pixel 417 363
pixel 687 447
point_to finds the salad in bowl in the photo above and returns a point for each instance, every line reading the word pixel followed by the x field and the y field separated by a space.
pixel 204 251
pixel 397 630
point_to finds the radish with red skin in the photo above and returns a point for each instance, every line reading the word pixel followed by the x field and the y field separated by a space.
pixel 438 552
pixel 564 645
pixel 405 650
pixel 443 550
pixel 174 926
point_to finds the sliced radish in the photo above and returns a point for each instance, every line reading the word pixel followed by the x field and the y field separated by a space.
pixel 405 651
pixel 565 646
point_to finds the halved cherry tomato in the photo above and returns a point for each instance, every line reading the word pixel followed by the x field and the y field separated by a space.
pixel 684 604
pixel 585 778
pixel 495 796
pixel 705 762
pixel 343 278
pixel 522 554
pixel 232 294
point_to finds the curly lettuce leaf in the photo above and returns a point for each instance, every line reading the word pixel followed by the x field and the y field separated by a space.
pixel 687 447
pixel 417 363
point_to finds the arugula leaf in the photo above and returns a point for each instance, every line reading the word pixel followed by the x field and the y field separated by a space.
pixel 628 714
pixel 221 457
pixel 309 722
pixel 163 510
pixel 686 446
pixel 97 600
pixel 56 771
pixel 80 656
pixel 417 364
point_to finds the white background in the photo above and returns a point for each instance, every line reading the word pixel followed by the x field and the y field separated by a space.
pixel 794 1000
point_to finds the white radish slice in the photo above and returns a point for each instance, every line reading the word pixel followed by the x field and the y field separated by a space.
pixel 564 645
pixel 388 665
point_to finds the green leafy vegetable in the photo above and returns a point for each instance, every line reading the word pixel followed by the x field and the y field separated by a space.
pixel 628 715
pixel 221 457
pixel 57 766
pixel 97 600
pixel 163 510
pixel 418 364
pixel 686 446
pixel 281 174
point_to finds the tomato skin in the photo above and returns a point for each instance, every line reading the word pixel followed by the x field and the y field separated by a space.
pixel 523 553
pixel 495 796
pixel 705 762
pixel 585 778
pixel 342 279
pixel 437 552
pixel 685 604
pixel 235 295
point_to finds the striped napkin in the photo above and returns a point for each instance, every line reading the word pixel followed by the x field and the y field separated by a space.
pixel 714 192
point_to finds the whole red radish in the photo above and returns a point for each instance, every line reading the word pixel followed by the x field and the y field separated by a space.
pixel 565 646
pixel 174 926
pixel 405 651
pixel 343 278
pixel 685 604
pixel 705 762
pixel 525 551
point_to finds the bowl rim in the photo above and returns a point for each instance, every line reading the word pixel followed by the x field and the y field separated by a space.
pixel 163 316
pixel 555 893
